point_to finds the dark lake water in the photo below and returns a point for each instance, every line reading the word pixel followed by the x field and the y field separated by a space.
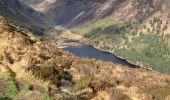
pixel 87 51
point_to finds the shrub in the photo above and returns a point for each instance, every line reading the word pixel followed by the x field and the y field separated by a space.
pixel 49 73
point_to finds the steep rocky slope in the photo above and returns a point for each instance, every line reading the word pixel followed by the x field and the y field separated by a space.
pixel 22 14
pixel 32 67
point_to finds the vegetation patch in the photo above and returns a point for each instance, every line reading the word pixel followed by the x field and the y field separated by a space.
pixel 160 93
pixel 144 45
pixel 154 52
pixel 83 83
pixel 12 90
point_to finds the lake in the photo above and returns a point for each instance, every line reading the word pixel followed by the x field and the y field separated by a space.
pixel 87 51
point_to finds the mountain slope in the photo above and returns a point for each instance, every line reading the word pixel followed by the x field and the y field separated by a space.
pixel 72 12
pixel 22 14
pixel 32 67
pixel 77 12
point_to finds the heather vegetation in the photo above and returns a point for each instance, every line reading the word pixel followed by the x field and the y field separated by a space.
pixel 31 67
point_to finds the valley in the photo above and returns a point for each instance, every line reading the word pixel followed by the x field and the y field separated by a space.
pixel 105 26
pixel 84 50
pixel 116 26
pixel 32 67
pixel 141 44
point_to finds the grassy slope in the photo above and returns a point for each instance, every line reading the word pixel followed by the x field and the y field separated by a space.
pixel 104 33
pixel 140 44
pixel 34 61
pixel 14 92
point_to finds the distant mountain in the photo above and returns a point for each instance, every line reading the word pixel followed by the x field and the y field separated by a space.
pixel 75 12
pixel 22 14
pixel 71 12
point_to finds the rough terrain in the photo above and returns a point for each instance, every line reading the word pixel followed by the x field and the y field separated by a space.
pixel 32 67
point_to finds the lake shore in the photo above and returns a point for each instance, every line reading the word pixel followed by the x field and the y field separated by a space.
pixel 122 58
pixel 68 39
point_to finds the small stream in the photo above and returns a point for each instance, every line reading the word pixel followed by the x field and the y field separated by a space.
pixel 87 51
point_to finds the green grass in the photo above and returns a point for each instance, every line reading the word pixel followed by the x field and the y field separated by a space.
pixel 103 23
pixel 13 92
pixel 106 34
